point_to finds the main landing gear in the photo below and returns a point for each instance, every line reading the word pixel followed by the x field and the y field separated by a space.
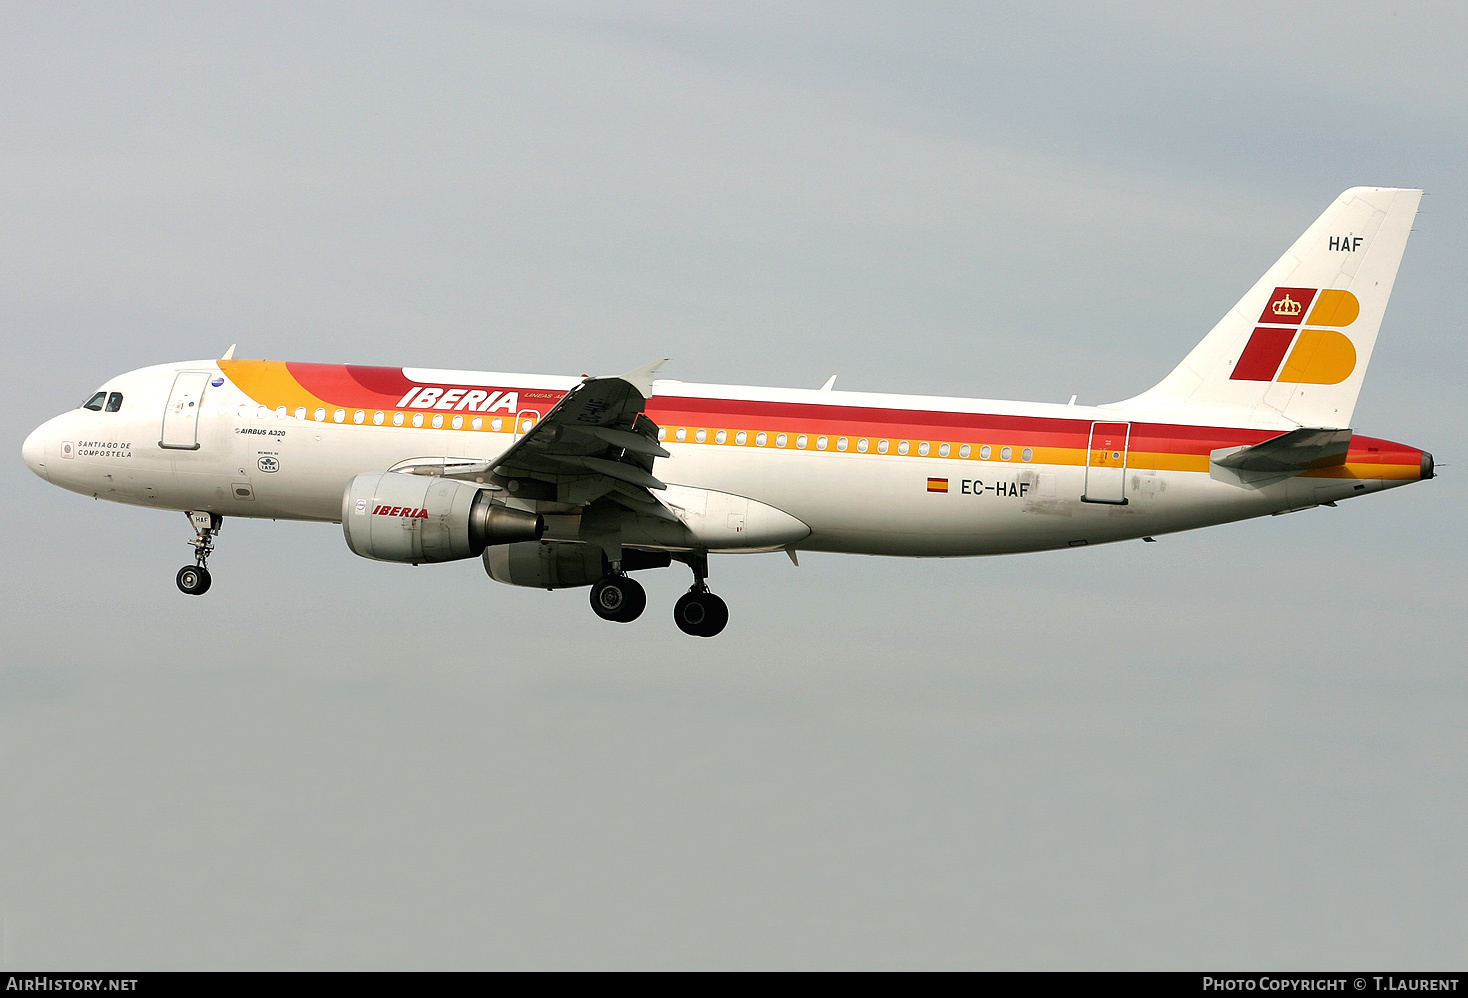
pixel 194 580
pixel 618 598
pixel 697 612
pixel 700 613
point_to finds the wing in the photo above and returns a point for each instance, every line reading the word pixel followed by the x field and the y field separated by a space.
pixel 596 443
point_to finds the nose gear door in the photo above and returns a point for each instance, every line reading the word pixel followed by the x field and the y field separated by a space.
pixel 181 415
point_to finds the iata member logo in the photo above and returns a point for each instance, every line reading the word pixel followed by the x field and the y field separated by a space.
pixel 1319 356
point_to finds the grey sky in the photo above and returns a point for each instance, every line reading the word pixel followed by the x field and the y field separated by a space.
pixel 1237 747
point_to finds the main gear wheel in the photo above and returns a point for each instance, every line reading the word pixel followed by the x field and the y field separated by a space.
pixel 618 598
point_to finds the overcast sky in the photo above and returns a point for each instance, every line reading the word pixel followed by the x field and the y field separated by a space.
pixel 1240 747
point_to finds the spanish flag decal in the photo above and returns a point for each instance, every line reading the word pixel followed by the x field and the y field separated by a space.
pixel 937 485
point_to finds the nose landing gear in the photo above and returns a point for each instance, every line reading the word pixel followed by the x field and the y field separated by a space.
pixel 194 580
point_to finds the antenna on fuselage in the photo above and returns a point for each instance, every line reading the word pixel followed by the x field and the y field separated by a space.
pixel 830 383
pixel 229 354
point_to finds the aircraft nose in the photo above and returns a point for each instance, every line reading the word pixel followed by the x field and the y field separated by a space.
pixel 34 451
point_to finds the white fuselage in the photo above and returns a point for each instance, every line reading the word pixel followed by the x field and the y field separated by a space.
pixel 256 461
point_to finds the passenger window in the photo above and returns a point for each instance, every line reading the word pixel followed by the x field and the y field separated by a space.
pixel 95 402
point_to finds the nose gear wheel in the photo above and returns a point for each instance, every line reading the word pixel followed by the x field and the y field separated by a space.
pixel 194 580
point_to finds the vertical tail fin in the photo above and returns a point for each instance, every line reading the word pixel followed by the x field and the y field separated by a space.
pixel 1295 348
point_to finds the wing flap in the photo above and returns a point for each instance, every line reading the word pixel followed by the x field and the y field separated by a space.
pixel 634 442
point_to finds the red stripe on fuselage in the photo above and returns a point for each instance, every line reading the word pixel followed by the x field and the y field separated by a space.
pixel 917 424
pixel 352 386
pixel 359 387
pixel 388 381
pixel 364 387
pixel 978 427
pixel 1371 450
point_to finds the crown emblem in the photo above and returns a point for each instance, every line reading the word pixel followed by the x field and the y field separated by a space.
pixel 1286 306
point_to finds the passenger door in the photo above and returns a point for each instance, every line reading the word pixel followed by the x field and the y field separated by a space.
pixel 181 415
pixel 1106 463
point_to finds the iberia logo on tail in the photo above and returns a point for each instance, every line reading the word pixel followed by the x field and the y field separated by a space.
pixel 1320 356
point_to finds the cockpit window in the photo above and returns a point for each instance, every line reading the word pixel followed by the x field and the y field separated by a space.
pixel 95 402
pixel 114 401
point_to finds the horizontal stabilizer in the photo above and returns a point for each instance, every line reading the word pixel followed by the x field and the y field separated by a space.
pixel 1289 453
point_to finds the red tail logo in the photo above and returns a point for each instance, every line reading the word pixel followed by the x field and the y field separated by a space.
pixel 1319 357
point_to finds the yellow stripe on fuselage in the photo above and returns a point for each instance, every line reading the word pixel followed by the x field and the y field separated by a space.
pixel 1369 471
pixel 271 384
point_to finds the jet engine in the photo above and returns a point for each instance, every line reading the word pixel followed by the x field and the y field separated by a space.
pixel 391 516
pixel 561 564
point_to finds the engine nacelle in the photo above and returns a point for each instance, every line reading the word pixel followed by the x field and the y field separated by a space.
pixel 561 564
pixel 390 516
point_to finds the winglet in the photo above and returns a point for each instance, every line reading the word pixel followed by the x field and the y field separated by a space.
pixel 229 354
pixel 641 379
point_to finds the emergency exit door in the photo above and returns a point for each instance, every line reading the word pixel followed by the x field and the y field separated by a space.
pixel 181 415
pixel 1106 463
pixel 525 421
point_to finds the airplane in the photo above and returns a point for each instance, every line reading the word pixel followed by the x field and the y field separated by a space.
pixel 559 482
